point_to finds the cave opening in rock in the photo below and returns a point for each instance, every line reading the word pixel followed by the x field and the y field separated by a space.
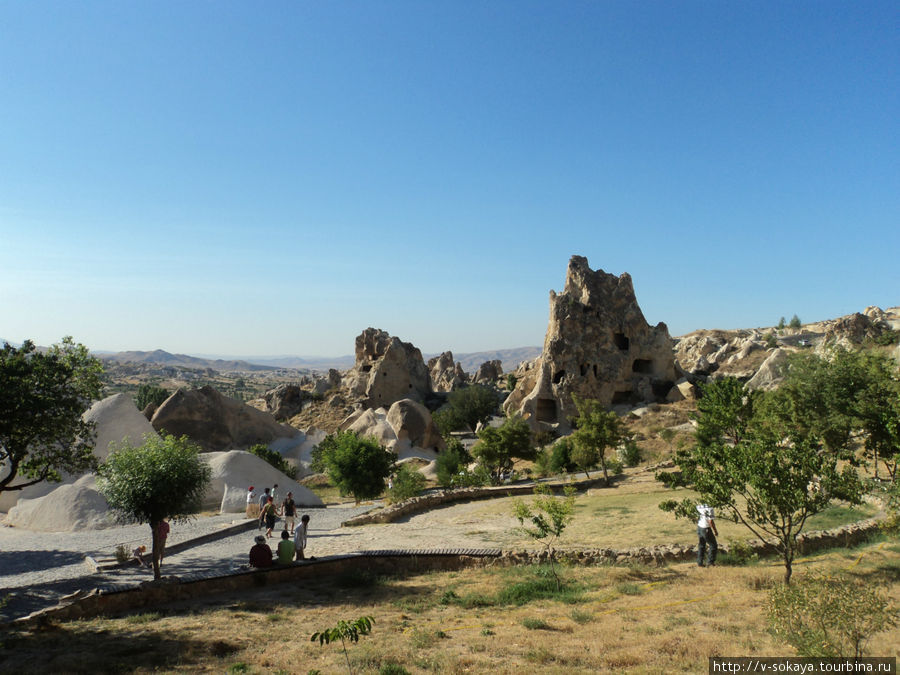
pixel 545 410
pixel 583 368
pixel 558 376
pixel 366 368
pixel 622 397
pixel 621 341
pixel 642 366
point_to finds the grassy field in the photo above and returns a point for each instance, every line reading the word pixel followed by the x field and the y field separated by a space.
pixel 502 620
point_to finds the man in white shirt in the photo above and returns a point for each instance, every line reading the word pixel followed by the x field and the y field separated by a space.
pixel 706 535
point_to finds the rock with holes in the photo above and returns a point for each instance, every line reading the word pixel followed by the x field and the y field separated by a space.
pixel 446 375
pixel 387 370
pixel 598 346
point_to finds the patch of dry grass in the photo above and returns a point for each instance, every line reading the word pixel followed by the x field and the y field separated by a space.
pixel 621 619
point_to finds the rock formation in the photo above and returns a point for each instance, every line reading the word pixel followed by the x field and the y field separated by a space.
pixel 234 471
pixel 387 370
pixel 115 418
pixel 411 421
pixel 217 422
pixel 488 372
pixel 285 400
pixel 598 345
pixel 446 376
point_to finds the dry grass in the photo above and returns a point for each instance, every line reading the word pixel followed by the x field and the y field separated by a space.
pixel 625 516
pixel 633 619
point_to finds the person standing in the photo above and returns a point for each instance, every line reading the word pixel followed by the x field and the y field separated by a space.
pixel 288 511
pixel 263 498
pixel 706 535
pixel 300 537
pixel 268 514
pixel 162 533
pixel 251 503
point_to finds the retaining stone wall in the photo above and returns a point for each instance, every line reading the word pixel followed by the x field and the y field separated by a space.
pixel 150 594
pixel 426 502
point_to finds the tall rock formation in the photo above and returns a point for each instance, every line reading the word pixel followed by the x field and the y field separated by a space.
pixel 387 370
pixel 598 345
pixel 446 376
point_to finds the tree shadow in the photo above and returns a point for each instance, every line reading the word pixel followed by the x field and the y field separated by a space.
pixel 17 562
pixel 83 648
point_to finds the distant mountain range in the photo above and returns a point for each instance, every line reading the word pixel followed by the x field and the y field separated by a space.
pixel 510 358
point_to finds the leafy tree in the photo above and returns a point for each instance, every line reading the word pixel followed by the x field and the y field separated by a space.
pixel 548 519
pixel 274 458
pixel 407 484
pixel 511 381
pixel 42 398
pixel 829 616
pixel 450 461
pixel 357 466
pixel 150 393
pixel 163 478
pixel 343 631
pixel 768 476
pixel 596 430
pixel 877 410
pixel 795 322
pixel 770 341
pixel 499 447
pixel 465 408
pixel 781 324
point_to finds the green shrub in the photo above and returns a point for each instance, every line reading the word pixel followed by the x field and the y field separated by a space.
pixel 450 461
pixel 829 616
pixel 407 483
pixel 274 458
pixel 561 457
pixel 629 453
pixel 478 477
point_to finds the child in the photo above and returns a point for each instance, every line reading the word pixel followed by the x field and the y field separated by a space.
pixel 300 537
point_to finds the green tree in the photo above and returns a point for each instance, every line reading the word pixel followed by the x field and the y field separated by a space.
pixel 465 408
pixel 596 430
pixel 781 324
pixel 42 398
pixel 357 466
pixel 163 478
pixel 150 393
pixel 407 483
pixel 499 447
pixel 829 616
pixel 549 517
pixel 274 458
pixel 768 476
pixel 450 462
pixel 344 631
pixel 795 322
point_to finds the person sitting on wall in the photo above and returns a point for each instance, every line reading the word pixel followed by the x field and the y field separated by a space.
pixel 260 554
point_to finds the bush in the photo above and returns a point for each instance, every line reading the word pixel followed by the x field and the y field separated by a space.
pixel 561 457
pixel 451 461
pixel 407 484
pixel 829 616
pixel 274 458
pixel 629 453
pixel 357 466
pixel 466 408
pixel 479 477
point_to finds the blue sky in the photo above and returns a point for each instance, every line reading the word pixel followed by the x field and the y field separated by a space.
pixel 273 178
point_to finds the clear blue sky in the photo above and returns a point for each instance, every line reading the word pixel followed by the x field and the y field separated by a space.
pixel 272 178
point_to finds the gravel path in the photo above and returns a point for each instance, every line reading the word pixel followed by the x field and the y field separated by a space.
pixel 38 568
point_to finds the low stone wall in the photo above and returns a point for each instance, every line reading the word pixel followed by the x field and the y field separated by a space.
pixel 427 502
pixel 113 600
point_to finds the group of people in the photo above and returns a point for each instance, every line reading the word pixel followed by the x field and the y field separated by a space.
pixel 267 510
pixel 293 537
pixel 289 549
